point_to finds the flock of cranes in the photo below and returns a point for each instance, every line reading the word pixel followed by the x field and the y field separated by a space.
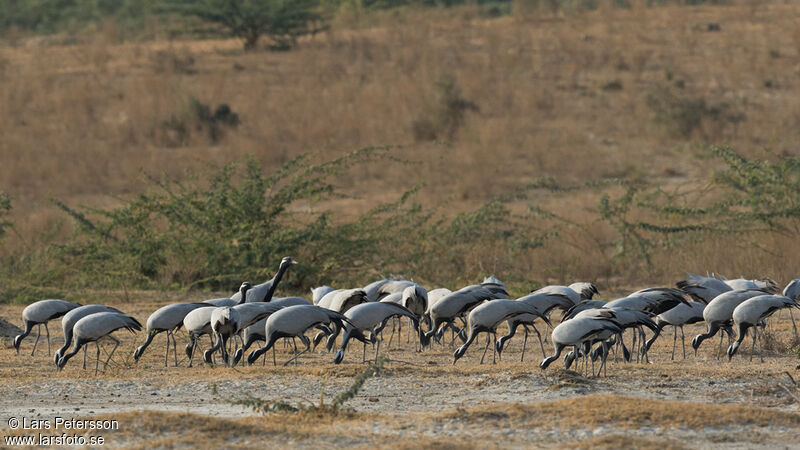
pixel 589 329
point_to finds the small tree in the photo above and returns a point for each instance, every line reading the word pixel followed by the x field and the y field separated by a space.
pixel 283 21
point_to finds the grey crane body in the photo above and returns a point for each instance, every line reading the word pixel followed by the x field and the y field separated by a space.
pixel 343 299
pixel 459 302
pixel 484 318
pixel 792 290
pixel 167 319
pixel 624 318
pixel 255 332
pixel 764 284
pixel 71 318
pixel 224 324
pixel 396 298
pixel 39 313
pixel 751 312
pixel 718 314
pixel 703 289
pixel 226 321
pixel 582 306
pixel 263 292
pixel 678 317
pixel 318 292
pixel 653 301
pixel 574 296
pixel 293 321
pixel 96 326
pixel 392 287
pixel 586 290
pixel 372 289
pixel 544 303
pixel 434 296
pixel 220 302
pixel 197 323
pixel 367 317
pixel 576 333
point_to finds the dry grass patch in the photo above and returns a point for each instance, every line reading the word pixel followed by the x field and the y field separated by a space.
pixel 618 441
pixel 626 412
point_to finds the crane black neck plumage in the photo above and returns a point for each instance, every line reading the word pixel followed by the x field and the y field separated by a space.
pixel 285 263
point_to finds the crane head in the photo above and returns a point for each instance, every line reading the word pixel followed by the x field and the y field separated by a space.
pixel 287 260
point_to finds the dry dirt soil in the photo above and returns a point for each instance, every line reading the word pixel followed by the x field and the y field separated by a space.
pixel 418 398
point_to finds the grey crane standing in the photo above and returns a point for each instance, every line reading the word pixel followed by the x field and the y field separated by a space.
pixel 39 313
pixel 255 332
pixel 576 333
pixel 718 315
pixel 454 305
pixel 544 303
pixel 677 317
pixel 485 318
pixel 369 317
pixel 752 312
pixel 792 290
pixel 197 323
pixel 225 323
pixel 96 326
pixel 293 321
pixel 71 318
pixel 167 319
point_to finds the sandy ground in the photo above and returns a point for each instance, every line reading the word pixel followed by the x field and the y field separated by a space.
pixel 422 395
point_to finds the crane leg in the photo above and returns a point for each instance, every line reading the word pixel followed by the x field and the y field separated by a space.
pixel 794 326
pixel 683 343
pixel 674 341
pixel 38 334
pixel 391 336
pixel 294 344
pixel 378 349
pixel 116 344
pixel 175 349
pixel 48 338
pixel 97 361
pixel 364 353
pixel 539 335
pixel 195 343
pixel 84 356
pixel 524 342
pixel 633 345
pixel 719 350
pixel 494 348
pixel 760 343
pixel 488 341
pixel 274 362
pixel 166 354
pixel 399 329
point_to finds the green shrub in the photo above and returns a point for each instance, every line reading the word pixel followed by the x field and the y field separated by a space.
pixel 213 232
pixel 282 21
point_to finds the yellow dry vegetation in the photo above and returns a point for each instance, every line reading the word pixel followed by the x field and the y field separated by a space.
pixel 625 412
pixel 568 96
